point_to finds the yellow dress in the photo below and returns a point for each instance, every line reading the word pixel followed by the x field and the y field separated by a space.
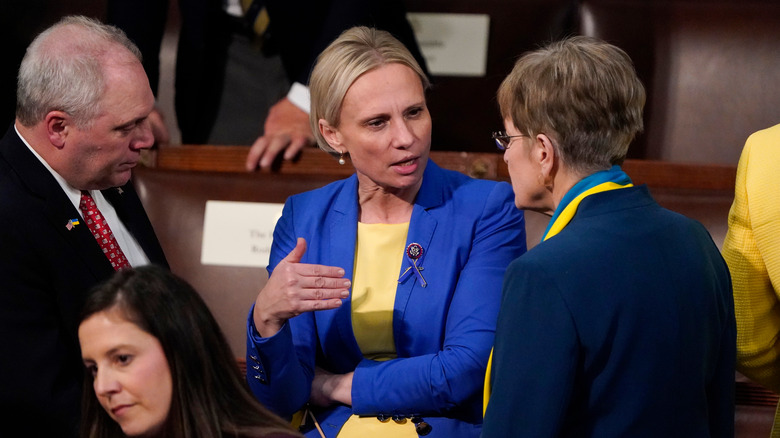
pixel 378 259
pixel 752 251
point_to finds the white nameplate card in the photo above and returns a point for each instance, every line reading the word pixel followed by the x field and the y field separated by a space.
pixel 238 233
pixel 452 44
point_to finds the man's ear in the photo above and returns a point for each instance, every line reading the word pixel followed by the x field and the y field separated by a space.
pixel 58 125
pixel 331 135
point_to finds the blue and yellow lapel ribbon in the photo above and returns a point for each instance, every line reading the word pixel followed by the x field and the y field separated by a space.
pixel 602 181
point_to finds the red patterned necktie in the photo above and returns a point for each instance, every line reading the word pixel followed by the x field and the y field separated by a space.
pixel 99 227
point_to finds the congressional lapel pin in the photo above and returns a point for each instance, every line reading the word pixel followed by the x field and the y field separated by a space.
pixel 413 253
pixel 72 223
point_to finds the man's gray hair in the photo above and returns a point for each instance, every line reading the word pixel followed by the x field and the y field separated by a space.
pixel 63 70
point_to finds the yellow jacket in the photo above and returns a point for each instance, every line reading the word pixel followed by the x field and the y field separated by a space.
pixel 752 251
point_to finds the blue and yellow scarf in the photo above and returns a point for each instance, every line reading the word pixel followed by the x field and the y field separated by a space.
pixel 602 181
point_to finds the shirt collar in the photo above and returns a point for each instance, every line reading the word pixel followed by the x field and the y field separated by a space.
pixel 73 194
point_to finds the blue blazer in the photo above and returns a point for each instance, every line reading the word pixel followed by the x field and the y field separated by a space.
pixel 470 230
pixel 621 325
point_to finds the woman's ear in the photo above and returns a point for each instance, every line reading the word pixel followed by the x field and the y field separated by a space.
pixel 546 156
pixel 331 135
pixel 58 124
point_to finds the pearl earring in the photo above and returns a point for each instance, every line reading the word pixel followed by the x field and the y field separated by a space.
pixel 342 161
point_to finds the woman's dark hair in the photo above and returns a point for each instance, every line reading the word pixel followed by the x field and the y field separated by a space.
pixel 210 397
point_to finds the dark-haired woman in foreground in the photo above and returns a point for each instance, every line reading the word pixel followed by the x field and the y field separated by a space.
pixel 158 365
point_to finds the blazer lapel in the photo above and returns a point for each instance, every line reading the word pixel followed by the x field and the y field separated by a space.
pixel 421 231
pixel 342 238
pixel 132 214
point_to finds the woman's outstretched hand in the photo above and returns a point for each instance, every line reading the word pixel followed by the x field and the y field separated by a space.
pixel 294 288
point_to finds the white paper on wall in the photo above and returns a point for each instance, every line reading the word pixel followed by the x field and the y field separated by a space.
pixel 238 233
pixel 452 44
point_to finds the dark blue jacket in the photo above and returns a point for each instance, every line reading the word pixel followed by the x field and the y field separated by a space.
pixel 621 325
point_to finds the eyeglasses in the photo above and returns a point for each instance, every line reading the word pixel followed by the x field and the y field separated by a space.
pixel 503 140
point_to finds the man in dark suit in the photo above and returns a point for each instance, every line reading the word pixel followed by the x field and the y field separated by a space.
pixel 222 74
pixel 83 103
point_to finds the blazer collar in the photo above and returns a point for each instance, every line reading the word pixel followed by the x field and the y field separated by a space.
pixel 57 209
pixel 430 194
pixel 421 231
pixel 27 167
pixel 421 226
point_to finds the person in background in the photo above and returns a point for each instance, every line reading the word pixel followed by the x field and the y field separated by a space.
pixel 242 66
pixel 380 307
pixel 158 365
pixel 70 217
pixel 621 322
pixel 752 251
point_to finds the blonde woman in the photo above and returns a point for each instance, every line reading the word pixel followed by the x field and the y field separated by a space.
pixel 380 308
